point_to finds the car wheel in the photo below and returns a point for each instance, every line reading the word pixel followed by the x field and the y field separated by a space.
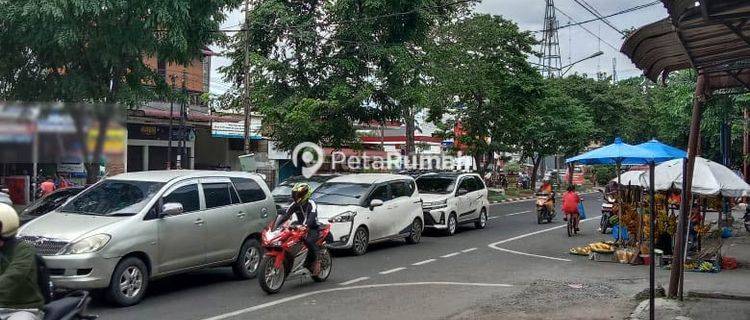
pixel 248 261
pixel 129 282
pixel 360 242
pixel 416 232
pixel 452 225
pixel 482 222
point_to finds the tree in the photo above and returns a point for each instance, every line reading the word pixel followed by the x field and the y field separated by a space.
pixel 93 52
pixel 557 124
pixel 480 78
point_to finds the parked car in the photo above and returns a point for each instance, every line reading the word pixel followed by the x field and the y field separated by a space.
pixel 368 208
pixel 48 203
pixel 451 199
pixel 128 229
pixel 282 193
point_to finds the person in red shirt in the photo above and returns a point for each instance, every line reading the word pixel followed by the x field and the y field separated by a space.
pixel 47 187
pixel 570 205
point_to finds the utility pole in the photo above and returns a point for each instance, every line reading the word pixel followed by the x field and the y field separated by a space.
pixel 171 115
pixel 745 144
pixel 550 61
pixel 184 116
pixel 246 65
pixel 614 70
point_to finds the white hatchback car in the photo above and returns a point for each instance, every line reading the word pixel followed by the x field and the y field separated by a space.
pixel 367 208
pixel 451 199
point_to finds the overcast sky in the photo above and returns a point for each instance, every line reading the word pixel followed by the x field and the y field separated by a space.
pixel 575 42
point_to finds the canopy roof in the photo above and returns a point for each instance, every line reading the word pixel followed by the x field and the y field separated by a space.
pixel 618 153
pixel 662 150
pixel 713 37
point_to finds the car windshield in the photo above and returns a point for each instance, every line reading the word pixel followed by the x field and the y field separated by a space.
pixel 439 185
pixel 340 193
pixel 49 202
pixel 284 190
pixel 114 198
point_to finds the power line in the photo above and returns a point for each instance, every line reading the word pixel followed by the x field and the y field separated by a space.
pixel 587 30
pixel 636 8
pixel 596 13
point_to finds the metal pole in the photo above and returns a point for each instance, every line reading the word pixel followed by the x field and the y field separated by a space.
pixel 183 119
pixel 246 65
pixel 619 212
pixel 746 145
pixel 687 178
pixel 651 267
pixel 171 113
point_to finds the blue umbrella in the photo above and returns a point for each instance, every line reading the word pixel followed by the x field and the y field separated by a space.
pixel 661 150
pixel 617 153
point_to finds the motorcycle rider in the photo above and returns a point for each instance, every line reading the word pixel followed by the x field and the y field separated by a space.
pixel 306 212
pixel 20 295
pixel 570 206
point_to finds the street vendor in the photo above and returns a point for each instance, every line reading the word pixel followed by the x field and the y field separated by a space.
pixel 696 218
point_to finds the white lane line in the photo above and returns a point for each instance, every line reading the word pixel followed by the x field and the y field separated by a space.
pixel 492 218
pixel 392 270
pixel 360 279
pixel 468 250
pixel 532 255
pixel 495 245
pixel 450 255
pixel 517 213
pixel 423 262
pixel 371 286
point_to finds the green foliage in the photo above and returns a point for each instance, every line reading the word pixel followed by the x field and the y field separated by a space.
pixel 512 167
pixel 604 174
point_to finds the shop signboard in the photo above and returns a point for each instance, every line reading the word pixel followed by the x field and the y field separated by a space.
pixel 235 130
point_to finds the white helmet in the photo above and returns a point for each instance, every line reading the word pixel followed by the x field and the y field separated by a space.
pixel 8 220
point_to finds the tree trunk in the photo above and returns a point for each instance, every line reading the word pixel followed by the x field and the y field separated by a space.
pixel 409 123
pixel 92 168
pixel 536 161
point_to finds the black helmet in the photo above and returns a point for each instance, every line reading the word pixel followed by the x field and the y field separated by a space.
pixel 301 193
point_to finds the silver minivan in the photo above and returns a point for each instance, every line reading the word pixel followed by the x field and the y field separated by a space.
pixel 128 229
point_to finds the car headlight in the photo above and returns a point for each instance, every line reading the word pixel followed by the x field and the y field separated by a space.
pixel 435 204
pixel 344 217
pixel 87 245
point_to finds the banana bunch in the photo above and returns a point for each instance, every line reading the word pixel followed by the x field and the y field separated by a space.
pixel 602 247
pixel 703 229
pixel 581 251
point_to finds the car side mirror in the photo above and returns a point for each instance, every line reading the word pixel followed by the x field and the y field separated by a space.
pixel 462 192
pixel 375 203
pixel 171 209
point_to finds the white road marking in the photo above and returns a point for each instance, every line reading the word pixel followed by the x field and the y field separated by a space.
pixel 346 283
pixel 392 270
pixel 450 255
pixel 468 250
pixel 492 218
pixel 517 213
pixel 423 262
pixel 495 245
pixel 371 286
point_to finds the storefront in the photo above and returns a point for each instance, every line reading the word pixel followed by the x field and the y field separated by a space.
pixel 149 147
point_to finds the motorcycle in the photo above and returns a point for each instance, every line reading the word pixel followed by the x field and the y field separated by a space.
pixel 286 254
pixel 543 211
pixel 608 204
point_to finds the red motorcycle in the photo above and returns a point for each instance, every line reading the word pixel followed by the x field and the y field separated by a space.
pixel 286 255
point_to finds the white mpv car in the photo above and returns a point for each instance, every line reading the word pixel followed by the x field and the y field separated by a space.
pixel 451 199
pixel 367 208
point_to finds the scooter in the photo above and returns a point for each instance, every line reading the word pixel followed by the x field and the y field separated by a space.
pixel 542 208
pixel 608 204
pixel 286 255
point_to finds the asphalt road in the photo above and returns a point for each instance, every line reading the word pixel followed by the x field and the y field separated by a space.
pixel 473 274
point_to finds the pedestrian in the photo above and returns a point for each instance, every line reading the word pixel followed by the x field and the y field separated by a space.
pixel 570 206
pixel 47 187
pixel 20 295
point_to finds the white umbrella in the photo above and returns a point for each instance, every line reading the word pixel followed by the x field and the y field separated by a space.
pixel 634 178
pixel 709 178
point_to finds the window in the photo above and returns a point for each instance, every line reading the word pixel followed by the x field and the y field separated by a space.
pixel 233 195
pixel 185 195
pixel 398 189
pixel 216 194
pixel 249 190
pixel 114 198
pixel 410 187
pixel 380 193
pixel 466 183
pixel 478 183
pixel 340 193
pixel 433 184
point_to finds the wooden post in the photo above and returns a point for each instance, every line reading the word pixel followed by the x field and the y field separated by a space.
pixel 746 145
pixel 652 219
pixel 687 181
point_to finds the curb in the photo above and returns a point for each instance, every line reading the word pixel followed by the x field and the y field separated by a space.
pixel 717 295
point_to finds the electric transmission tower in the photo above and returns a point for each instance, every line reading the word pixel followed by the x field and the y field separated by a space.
pixel 550 61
